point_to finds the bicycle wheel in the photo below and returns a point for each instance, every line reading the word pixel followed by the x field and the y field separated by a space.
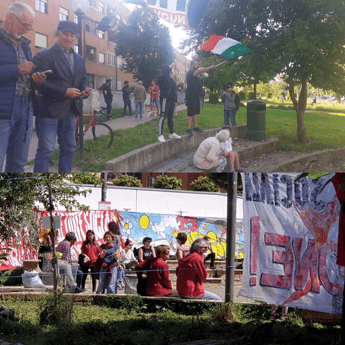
pixel 102 132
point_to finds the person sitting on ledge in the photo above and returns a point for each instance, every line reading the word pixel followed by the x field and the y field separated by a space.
pixel 208 155
pixel 156 270
pixel 227 153
pixel 191 273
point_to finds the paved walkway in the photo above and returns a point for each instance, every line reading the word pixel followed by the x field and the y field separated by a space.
pixel 121 123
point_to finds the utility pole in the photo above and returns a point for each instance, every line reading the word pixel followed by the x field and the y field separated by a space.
pixel 231 237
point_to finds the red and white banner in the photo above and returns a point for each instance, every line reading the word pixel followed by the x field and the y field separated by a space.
pixel 291 235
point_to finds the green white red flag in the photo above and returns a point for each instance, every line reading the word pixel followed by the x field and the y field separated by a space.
pixel 225 46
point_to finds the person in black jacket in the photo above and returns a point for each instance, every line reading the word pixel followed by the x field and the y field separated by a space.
pixel 126 91
pixel 108 96
pixel 168 102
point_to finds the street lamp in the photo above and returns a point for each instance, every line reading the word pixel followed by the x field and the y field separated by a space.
pixel 80 7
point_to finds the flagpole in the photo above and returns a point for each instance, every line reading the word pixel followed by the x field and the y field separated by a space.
pixel 221 63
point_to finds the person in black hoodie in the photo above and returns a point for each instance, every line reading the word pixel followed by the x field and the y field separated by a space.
pixel 108 96
pixel 168 102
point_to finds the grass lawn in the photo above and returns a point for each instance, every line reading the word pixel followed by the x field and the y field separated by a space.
pixel 325 130
pixel 93 324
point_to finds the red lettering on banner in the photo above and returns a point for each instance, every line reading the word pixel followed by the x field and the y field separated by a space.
pixel 282 257
pixel 306 267
pixel 254 247
pixel 325 255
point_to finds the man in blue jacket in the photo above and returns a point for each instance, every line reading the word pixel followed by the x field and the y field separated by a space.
pixel 15 87
pixel 57 109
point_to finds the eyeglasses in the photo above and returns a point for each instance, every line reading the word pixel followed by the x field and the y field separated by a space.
pixel 25 26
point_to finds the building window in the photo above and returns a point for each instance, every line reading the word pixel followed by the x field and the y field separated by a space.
pixel 41 5
pixel 101 7
pixel 90 53
pixel 41 41
pixel 101 58
pixel 111 59
pixel 76 48
pixel 110 10
pixel 119 62
pixel 90 26
pixel 119 85
pixel 76 19
pixel 92 3
pixel 101 34
pixel 90 80
pixel 118 16
pixel 63 14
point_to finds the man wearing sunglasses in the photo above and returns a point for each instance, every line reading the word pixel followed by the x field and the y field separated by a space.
pixel 15 87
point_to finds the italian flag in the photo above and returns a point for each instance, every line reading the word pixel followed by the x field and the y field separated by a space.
pixel 225 46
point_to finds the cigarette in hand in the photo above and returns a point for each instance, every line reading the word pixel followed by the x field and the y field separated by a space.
pixel 47 71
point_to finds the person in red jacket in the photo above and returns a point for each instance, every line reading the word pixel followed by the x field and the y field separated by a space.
pixel 158 281
pixel 191 273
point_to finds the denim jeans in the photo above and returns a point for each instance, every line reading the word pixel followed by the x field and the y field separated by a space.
pixel 48 129
pixel 139 105
pixel 107 281
pixel 212 296
pixel 12 133
pixel 230 113
pixel 70 272
pixel 127 103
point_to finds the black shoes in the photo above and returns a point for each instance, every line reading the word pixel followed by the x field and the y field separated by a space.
pixel 77 289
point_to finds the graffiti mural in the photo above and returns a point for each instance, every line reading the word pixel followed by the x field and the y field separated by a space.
pixel 162 228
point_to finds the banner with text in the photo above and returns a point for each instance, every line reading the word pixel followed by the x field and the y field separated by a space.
pixel 162 228
pixel 291 233
pixel 181 12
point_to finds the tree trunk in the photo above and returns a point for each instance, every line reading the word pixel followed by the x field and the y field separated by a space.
pixel 300 106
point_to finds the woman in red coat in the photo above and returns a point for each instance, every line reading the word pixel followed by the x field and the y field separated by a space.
pixel 158 281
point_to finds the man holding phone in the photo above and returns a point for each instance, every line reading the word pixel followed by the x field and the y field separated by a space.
pixel 16 112
pixel 57 109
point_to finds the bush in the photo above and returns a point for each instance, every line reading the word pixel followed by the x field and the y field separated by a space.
pixel 11 277
pixel 251 95
pixel 213 98
pixel 167 182
pixel 56 309
pixel 127 181
pixel 268 95
pixel 242 95
pixel 204 183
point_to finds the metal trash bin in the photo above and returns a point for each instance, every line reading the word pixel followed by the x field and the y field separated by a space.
pixel 131 282
pixel 256 120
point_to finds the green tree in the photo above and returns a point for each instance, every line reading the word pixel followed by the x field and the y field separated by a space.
pixel 144 44
pixel 20 194
pixel 302 39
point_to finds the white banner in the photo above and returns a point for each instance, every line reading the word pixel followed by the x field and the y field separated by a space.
pixel 291 233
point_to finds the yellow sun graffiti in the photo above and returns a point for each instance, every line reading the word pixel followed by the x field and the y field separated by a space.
pixel 144 221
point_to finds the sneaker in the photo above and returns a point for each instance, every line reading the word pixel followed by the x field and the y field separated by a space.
pixel 174 136
pixel 77 289
pixel 189 132
pixel 136 119
pixel 161 139
pixel 120 287
pixel 225 127
pixel 197 130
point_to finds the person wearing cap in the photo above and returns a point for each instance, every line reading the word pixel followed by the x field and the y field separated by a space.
pixel 56 116
pixel 65 265
pixel 16 93
pixel 108 96
pixel 168 102
pixel 126 91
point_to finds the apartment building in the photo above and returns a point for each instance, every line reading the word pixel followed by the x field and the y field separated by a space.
pixel 182 67
pixel 98 51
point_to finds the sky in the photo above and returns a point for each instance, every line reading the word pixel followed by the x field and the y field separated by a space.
pixel 177 34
